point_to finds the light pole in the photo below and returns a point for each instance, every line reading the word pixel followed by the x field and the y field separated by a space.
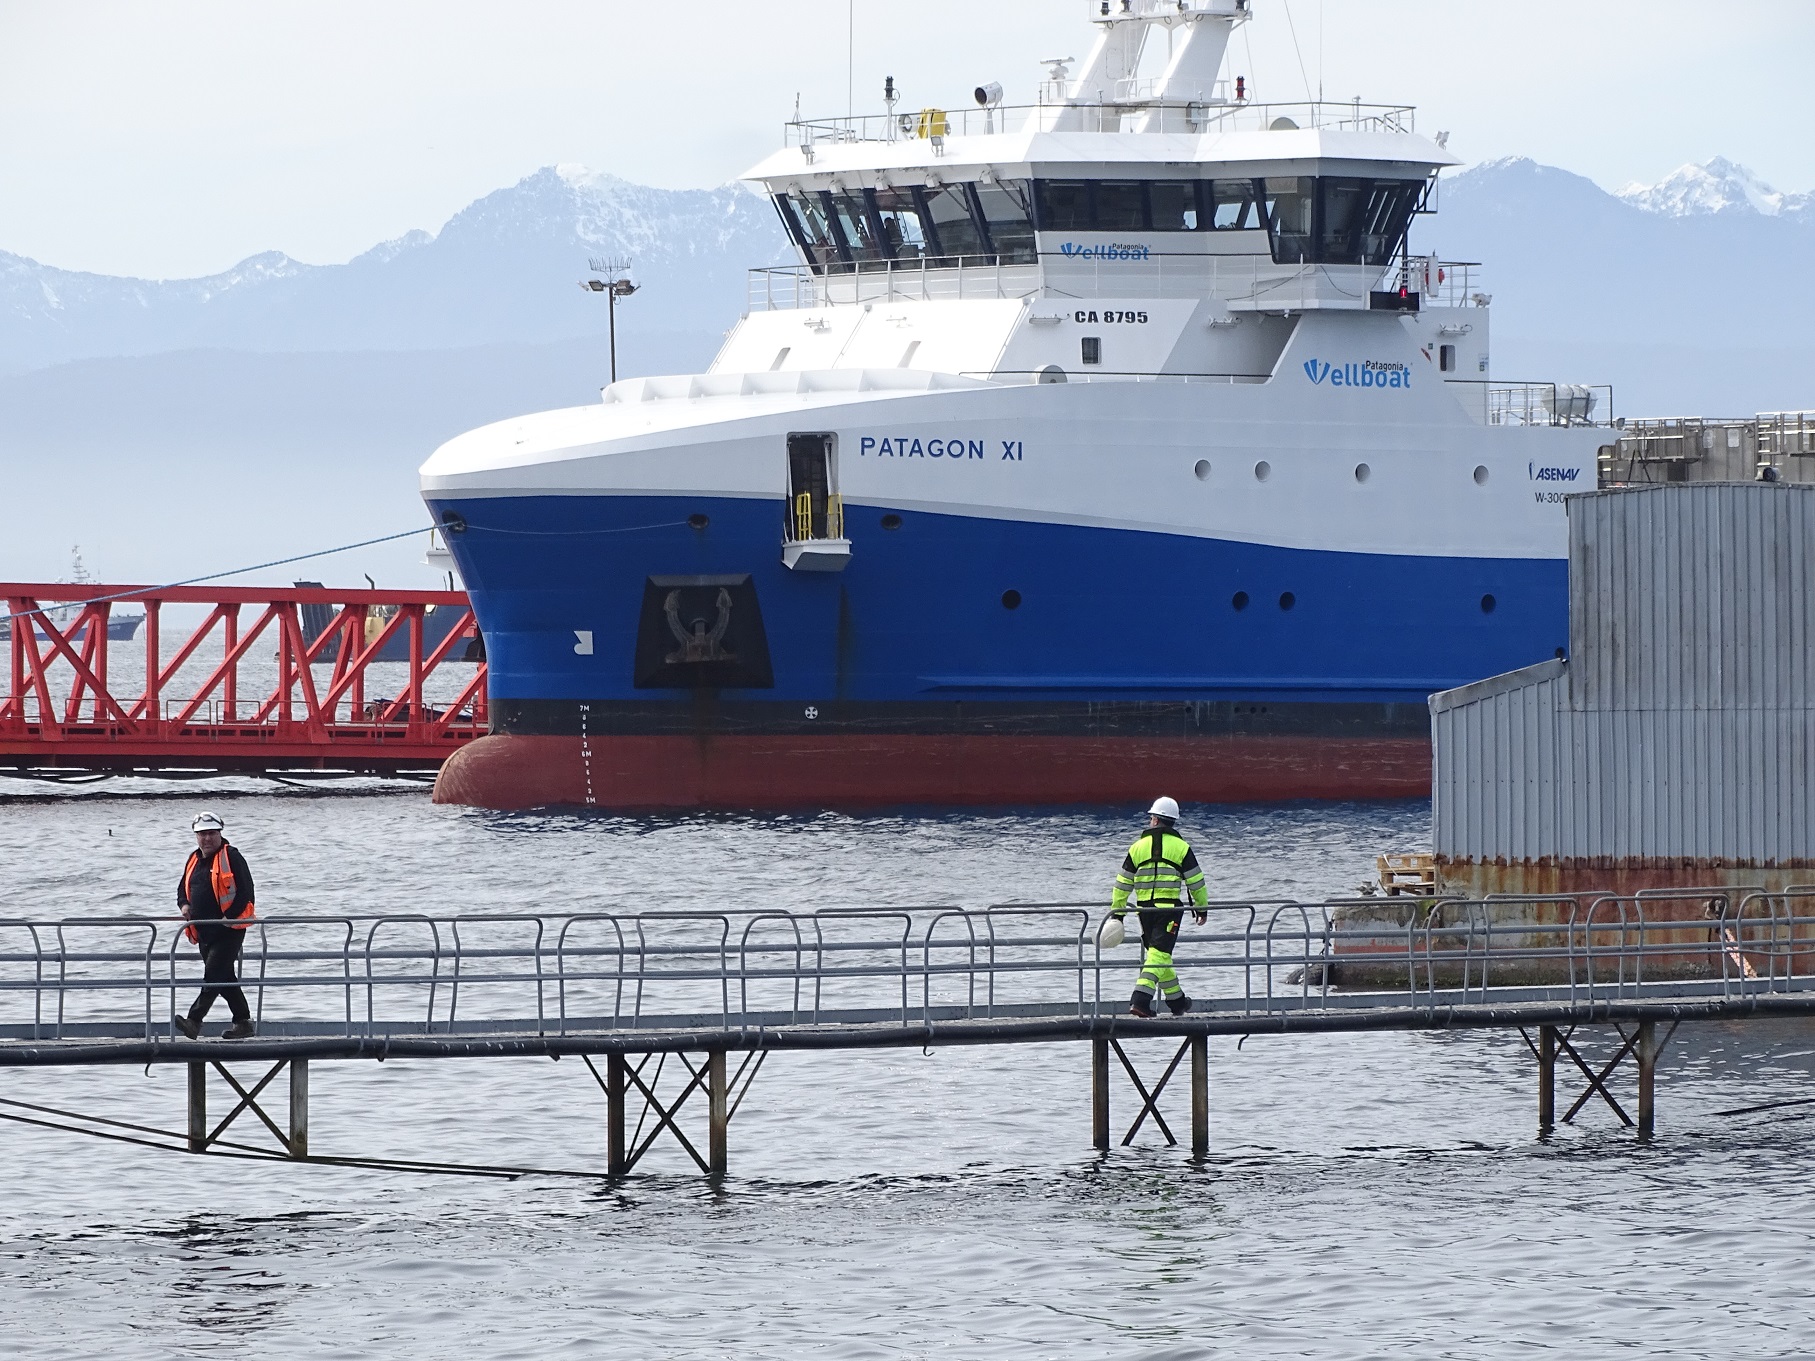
pixel 613 289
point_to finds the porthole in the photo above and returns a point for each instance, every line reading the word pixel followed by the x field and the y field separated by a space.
pixel 1487 604
pixel 698 521
pixel 1287 600
pixel 1201 470
pixel 1363 472
pixel 1011 600
pixel 891 522
pixel 1239 601
pixel 1481 475
pixel 1262 471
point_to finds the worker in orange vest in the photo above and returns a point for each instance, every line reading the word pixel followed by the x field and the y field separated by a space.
pixel 215 897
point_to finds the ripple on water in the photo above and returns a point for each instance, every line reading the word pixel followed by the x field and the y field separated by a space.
pixel 1368 1196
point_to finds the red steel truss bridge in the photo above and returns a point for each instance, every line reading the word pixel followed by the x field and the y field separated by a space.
pixel 271 679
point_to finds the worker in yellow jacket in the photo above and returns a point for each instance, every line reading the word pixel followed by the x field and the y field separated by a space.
pixel 1158 872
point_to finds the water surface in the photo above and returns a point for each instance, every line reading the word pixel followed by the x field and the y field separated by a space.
pixel 1366 1196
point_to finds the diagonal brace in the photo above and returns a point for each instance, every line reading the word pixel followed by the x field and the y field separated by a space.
pixel 1598 1083
pixel 249 1100
pixel 666 1117
pixel 1149 1100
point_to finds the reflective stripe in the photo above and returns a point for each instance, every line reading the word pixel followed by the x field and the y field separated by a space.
pixel 1157 878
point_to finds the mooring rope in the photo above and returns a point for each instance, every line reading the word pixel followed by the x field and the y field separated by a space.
pixel 327 553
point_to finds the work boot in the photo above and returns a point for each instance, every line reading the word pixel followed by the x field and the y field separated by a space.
pixel 1142 1006
pixel 1179 1005
pixel 240 1030
pixel 188 1028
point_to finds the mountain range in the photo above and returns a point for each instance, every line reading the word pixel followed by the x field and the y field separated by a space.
pixel 301 398
pixel 501 271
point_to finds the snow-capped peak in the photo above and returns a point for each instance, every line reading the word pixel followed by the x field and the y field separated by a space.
pixel 1715 186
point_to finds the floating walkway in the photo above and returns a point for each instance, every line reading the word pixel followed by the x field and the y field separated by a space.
pixel 699 999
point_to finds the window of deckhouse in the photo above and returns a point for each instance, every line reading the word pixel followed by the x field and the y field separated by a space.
pixel 1174 205
pixel 1007 209
pixel 902 233
pixel 1121 205
pixel 1338 220
pixel 1290 205
pixel 1064 205
pixel 1234 206
pixel 949 208
pixel 862 233
pixel 805 219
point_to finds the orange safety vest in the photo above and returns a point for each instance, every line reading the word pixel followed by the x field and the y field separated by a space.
pixel 220 875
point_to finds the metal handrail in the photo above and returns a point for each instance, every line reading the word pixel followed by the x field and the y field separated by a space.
pixel 75 977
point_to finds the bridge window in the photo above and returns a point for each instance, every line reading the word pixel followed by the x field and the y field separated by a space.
pixel 1007 209
pixel 903 236
pixel 808 221
pixel 1121 206
pixel 1064 205
pixel 852 219
pixel 1289 203
pixel 1142 205
pixel 1338 220
pixel 954 226
pixel 1174 205
pixel 1233 205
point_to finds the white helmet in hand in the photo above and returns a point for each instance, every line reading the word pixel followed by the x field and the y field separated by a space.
pixel 1164 808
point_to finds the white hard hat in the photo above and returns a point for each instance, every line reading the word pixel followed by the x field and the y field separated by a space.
pixel 1165 808
pixel 208 822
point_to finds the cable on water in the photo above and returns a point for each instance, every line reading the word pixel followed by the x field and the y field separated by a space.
pixel 1769 1106
pixel 172 1142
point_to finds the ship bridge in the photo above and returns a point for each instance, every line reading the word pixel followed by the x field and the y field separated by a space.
pixel 1155 211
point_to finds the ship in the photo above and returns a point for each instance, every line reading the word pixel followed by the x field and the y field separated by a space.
pixel 121 628
pixel 1120 443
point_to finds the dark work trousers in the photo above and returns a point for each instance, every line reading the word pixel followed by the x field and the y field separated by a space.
pixel 220 947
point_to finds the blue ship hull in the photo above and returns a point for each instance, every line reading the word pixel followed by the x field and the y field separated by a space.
pixel 1124 665
pixel 919 614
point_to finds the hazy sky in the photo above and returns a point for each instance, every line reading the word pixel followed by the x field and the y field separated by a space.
pixel 171 138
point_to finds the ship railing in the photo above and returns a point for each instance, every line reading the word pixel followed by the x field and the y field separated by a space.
pixel 1785 434
pixel 1137 109
pixel 944 278
pixel 1053 373
pixel 1535 403
pixel 1071 280
pixel 1443 283
pixel 364 977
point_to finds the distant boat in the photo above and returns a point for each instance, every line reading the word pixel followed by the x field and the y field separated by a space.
pixel 121 628
pixel 437 622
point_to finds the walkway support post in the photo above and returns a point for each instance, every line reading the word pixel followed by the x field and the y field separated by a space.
pixel 1099 1093
pixel 720 1115
pixel 1200 1096
pixel 614 1115
pixel 1547 1078
pixel 299 1108
pixel 1647 1056
pixel 198 1107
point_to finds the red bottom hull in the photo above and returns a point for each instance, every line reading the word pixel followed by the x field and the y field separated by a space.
pixel 788 771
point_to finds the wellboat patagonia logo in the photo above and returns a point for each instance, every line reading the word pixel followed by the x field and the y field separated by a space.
pixel 1115 250
pixel 1370 373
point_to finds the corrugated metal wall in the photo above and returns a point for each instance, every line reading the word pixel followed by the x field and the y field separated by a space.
pixel 1683 724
